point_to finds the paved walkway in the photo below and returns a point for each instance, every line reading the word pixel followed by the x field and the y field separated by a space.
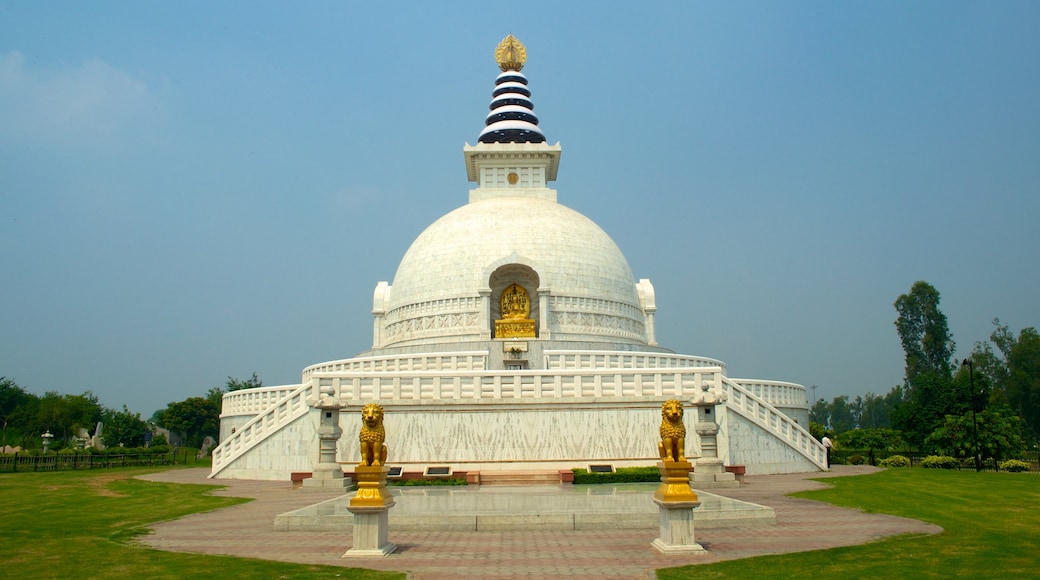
pixel 247 530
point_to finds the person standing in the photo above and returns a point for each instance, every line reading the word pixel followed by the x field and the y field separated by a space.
pixel 828 444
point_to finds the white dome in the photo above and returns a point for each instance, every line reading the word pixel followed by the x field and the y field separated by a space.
pixel 588 284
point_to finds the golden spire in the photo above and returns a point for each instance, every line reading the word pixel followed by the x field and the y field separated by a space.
pixel 510 54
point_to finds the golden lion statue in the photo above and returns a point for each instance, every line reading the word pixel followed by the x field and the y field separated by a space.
pixel 373 450
pixel 673 432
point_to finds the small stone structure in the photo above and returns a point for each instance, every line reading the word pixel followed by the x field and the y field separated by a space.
pixel 709 473
pixel 327 473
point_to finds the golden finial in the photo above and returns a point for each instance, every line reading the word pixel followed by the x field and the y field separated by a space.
pixel 510 54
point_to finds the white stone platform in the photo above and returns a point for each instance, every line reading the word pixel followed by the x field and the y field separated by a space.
pixel 543 507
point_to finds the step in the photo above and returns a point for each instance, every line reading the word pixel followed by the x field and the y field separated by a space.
pixel 519 478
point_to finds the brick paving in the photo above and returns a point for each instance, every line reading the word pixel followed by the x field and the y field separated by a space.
pixel 247 530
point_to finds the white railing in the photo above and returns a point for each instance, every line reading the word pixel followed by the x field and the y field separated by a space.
pixel 530 384
pixel 463 360
pixel 253 401
pixel 609 359
pixel 750 406
pixel 278 415
pixel 776 393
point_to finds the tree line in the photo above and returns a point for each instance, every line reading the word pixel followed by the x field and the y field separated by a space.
pixel 987 404
pixel 25 417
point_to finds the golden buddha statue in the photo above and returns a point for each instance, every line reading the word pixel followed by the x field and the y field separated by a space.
pixel 515 307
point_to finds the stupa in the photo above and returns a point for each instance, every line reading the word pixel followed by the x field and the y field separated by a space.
pixel 514 337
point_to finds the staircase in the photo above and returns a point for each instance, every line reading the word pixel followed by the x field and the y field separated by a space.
pixel 281 413
pixel 748 405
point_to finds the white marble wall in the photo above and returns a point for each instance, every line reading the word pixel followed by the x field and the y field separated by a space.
pixel 514 433
pixel 294 448
pixel 760 451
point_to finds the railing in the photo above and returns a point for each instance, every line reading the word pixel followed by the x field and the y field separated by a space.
pixel 61 462
pixel 752 407
pixel 609 359
pixel 253 401
pixel 464 360
pixel 291 407
pixel 527 384
pixel 776 393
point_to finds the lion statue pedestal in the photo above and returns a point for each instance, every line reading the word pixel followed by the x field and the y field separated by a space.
pixel 371 505
pixel 674 497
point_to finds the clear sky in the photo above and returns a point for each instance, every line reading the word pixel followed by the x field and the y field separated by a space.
pixel 192 190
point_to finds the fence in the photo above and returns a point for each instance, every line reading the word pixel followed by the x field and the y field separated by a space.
pixel 868 457
pixel 61 462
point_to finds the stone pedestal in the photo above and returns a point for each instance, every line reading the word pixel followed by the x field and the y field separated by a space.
pixel 370 507
pixel 327 479
pixel 710 472
pixel 675 502
pixel 676 528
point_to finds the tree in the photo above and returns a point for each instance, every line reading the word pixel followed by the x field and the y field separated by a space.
pixel 194 418
pixel 1012 377
pixel 123 428
pixel 924 333
pixel 928 348
pixel 817 430
pixel 1023 381
pixel 999 435
pixel 820 413
pixel 66 414
pixel 13 399
pixel 252 382
pixel 871 440
pixel 875 412
pixel 842 416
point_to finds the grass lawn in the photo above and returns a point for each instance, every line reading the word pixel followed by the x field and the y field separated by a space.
pixel 77 524
pixel 991 524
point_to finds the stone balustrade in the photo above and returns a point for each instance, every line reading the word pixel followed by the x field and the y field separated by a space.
pixel 777 393
pixel 568 359
pixel 253 401
pixel 465 360
pixel 526 384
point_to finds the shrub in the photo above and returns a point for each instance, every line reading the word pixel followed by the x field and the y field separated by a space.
pixel 622 475
pixel 940 462
pixel 856 460
pixel 895 461
pixel 1014 465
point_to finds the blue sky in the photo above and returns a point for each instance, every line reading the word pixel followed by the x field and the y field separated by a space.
pixel 195 190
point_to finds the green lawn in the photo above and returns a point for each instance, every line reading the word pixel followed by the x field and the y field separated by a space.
pixel 75 524
pixel 991 524
pixel 78 523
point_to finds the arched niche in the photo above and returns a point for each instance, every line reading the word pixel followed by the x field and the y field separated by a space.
pixel 505 276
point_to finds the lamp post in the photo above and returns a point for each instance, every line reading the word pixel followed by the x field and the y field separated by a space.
pixel 974 421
